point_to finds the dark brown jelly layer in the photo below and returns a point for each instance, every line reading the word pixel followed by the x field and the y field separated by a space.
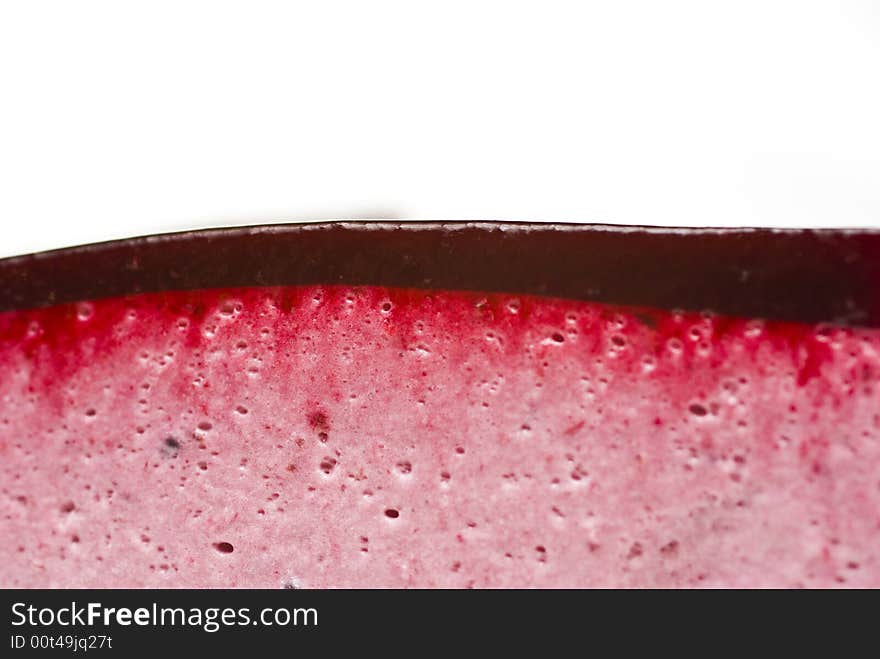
pixel 795 275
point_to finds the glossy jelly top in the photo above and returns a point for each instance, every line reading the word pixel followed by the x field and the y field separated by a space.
pixel 794 275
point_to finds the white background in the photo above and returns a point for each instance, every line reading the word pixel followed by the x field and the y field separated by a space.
pixel 125 118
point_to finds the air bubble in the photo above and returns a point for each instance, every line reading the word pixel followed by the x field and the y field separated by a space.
pixel 34 329
pixel 617 322
pixel 824 333
pixel 84 311
pixel 229 308
pixel 754 328
pixel 698 410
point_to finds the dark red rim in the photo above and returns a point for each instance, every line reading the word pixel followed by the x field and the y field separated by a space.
pixel 796 275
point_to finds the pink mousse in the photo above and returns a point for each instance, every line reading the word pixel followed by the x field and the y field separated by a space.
pixel 369 437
